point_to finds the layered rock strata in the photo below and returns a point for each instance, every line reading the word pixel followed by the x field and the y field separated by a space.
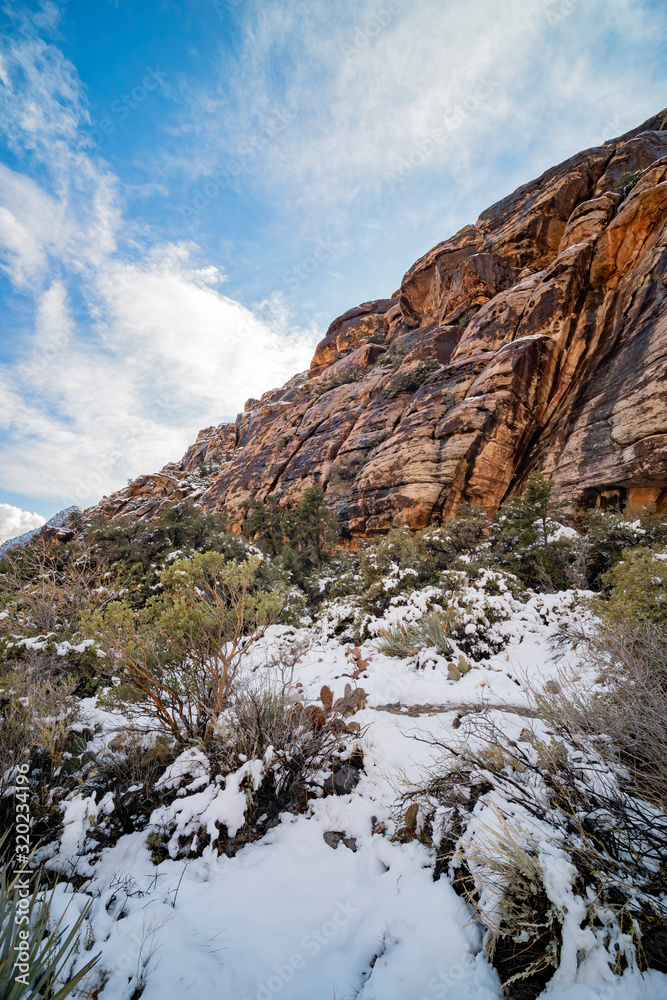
pixel 535 338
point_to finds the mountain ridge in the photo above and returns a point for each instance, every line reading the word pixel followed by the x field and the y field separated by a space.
pixel 534 338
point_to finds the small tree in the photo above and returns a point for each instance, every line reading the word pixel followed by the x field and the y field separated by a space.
pixel 539 503
pixel 520 536
pixel 263 524
pixel 176 659
pixel 312 528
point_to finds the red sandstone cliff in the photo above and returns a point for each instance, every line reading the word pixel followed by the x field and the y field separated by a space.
pixel 535 338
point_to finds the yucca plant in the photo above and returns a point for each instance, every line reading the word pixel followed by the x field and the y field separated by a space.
pixel 44 954
pixel 397 640
pixel 431 631
pixel 434 629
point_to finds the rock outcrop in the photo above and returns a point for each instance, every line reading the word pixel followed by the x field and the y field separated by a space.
pixel 535 338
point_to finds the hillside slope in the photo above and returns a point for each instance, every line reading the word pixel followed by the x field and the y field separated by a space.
pixel 536 337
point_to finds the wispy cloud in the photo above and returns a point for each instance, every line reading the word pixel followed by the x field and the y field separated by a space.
pixel 369 85
pixel 135 345
pixel 357 135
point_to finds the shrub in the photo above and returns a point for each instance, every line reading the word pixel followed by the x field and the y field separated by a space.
pixel 274 753
pixel 346 469
pixel 626 718
pixel 638 587
pixel 560 843
pixel 49 587
pixel 37 711
pixel 411 379
pixel 311 528
pixel 263 525
pixel 177 658
pixel 541 838
pixel 136 549
pixel 389 566
pixel 464 534
pixel 433 631
pixel 626 182
pixel 604 534
pixel 394 355
pixel 522 537
pixel 343 378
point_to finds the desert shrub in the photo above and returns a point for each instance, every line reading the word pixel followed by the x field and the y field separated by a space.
pixel 342 378
pixel 271 751
pixel 131 773
pixel 559 864
pixel 263 525
pixel 569 817
pixel 464 534
pixel 605 534
pixel 411 379
pixel 135 543
pixel 311 529
pixel 637 586
pixel 346 468
pixel 37 711
pixel 524 537
pixel 394 355
pixel 176 658
pixel 303 536
pixel 626 182
pixel 625 712
pixel 47 588
pixel 390 565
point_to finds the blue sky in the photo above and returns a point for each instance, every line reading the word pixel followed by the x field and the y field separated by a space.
pixel 190 191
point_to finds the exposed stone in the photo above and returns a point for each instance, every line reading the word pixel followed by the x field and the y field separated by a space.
pixel 343 781
pixel 535 338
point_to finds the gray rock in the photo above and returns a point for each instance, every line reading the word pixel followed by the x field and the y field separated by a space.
pixel 335 837
pixel 343 781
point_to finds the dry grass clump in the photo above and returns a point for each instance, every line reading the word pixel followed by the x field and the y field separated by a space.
pixel 624 716
pixel 37 710
pixel 592 794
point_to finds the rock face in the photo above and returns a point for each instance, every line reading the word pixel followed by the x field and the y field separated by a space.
pixel 535 338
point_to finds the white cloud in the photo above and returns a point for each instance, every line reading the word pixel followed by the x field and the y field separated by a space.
pixel 14 521
pixel 370 84
pixel 135 347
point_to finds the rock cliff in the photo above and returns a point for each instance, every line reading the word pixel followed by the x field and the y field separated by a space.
pixel 535 338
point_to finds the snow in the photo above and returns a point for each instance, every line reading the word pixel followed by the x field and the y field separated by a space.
pixel 563 534
pixel 56 521
pixel 289 917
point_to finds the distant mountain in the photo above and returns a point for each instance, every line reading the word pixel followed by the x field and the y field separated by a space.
pixel 535 338
pixel 57 521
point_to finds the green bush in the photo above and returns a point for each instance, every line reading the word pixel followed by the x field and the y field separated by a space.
pixel 343 378
pixel 605 534
pixel 626 182
pixel 263 524
pixel 465 534
pixel 411 379
pixel 521 537
pixel 311 529
pixel 637 587
pixel 176 658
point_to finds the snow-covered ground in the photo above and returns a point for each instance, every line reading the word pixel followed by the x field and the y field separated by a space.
pixel 293 918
